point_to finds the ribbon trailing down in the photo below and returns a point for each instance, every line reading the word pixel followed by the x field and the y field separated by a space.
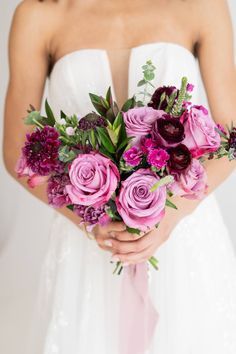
pixel 138 316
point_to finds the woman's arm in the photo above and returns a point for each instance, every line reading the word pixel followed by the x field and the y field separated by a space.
pixel 216 58
pixel 29 48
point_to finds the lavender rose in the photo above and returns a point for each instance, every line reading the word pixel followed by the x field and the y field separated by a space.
pixel 138 207
pixel 138 122
pixel 93 179
pixel 167 131
pixel 191 184
pixel 200 134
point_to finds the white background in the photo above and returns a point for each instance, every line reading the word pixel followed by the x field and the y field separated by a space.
pixel 25 224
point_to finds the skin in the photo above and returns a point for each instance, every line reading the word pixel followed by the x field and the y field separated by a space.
pixel 54 29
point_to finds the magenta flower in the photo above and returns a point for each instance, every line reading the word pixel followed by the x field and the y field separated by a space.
pixel 190 87
pixel 158 158
pixel 133 156
pixel 137 205
pixel 57 195
pixel 147 144
pixel 41 151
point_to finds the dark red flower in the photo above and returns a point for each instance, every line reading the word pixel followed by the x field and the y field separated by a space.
pixel 41 151
pixel 156 97
pixel 168 130
pixel 91 121
pixel 180 158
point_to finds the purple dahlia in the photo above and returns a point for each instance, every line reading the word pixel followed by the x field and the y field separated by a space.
pixel 41 150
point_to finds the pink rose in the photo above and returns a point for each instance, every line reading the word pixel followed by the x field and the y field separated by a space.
pixel 138 207
pixel 93 178
pixel 23 170
pixel 192 184
pixel 200 134
pixel 138 121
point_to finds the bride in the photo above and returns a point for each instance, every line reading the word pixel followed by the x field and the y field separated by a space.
pixel 86 46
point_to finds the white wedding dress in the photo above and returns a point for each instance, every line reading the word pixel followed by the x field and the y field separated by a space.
pixel 194 290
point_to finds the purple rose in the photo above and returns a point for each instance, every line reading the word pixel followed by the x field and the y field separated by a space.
pixel 180 158
pixel 133 156
pixel 57 195
pixel 158 158
pixel 138 122
pixel 201 136
pixel 192 184
pixel 167 131
pixel 93 180
pixel 138 207
pixel 156 97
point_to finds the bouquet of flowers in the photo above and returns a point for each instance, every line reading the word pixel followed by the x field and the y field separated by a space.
pixel 125 164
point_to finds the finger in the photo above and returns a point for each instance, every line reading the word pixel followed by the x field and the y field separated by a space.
pixel 131 246
pixel 127 236
pixel 134 257
pixel 115 226
pixel 101 244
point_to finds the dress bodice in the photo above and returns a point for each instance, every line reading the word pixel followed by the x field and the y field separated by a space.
pixel 88 70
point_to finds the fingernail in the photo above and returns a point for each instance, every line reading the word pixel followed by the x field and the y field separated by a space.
pixel 115 259
pixel 108 243
pixel 112 234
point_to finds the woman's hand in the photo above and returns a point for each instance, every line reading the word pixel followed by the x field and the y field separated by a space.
pixel 133 248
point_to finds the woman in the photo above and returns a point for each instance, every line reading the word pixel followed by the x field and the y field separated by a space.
pixel 85 47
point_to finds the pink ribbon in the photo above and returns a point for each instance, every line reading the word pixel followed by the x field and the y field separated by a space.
pixel 138 316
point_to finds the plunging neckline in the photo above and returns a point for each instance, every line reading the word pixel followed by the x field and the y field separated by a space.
pixel 105 53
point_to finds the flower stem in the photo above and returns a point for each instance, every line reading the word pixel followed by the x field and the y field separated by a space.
pixel 153 261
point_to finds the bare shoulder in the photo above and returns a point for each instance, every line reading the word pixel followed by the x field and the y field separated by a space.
pixel 211 15
pixel 40 17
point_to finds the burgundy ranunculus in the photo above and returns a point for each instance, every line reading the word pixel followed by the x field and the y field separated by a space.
pixel 180 158
pixel 156 97
pixel 168 131
pixel 41 151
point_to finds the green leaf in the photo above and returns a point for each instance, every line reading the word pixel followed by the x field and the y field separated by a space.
pixel 62 114
pixel 149 75
pixel 170 204
pixel 104 152
pixel 105 140
pixel 132 230
pixel 117 121
pixel 50 115
pixel 163 181
pixel 98 103
pixel 70 207
pixel 109 97
pixel 130 103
